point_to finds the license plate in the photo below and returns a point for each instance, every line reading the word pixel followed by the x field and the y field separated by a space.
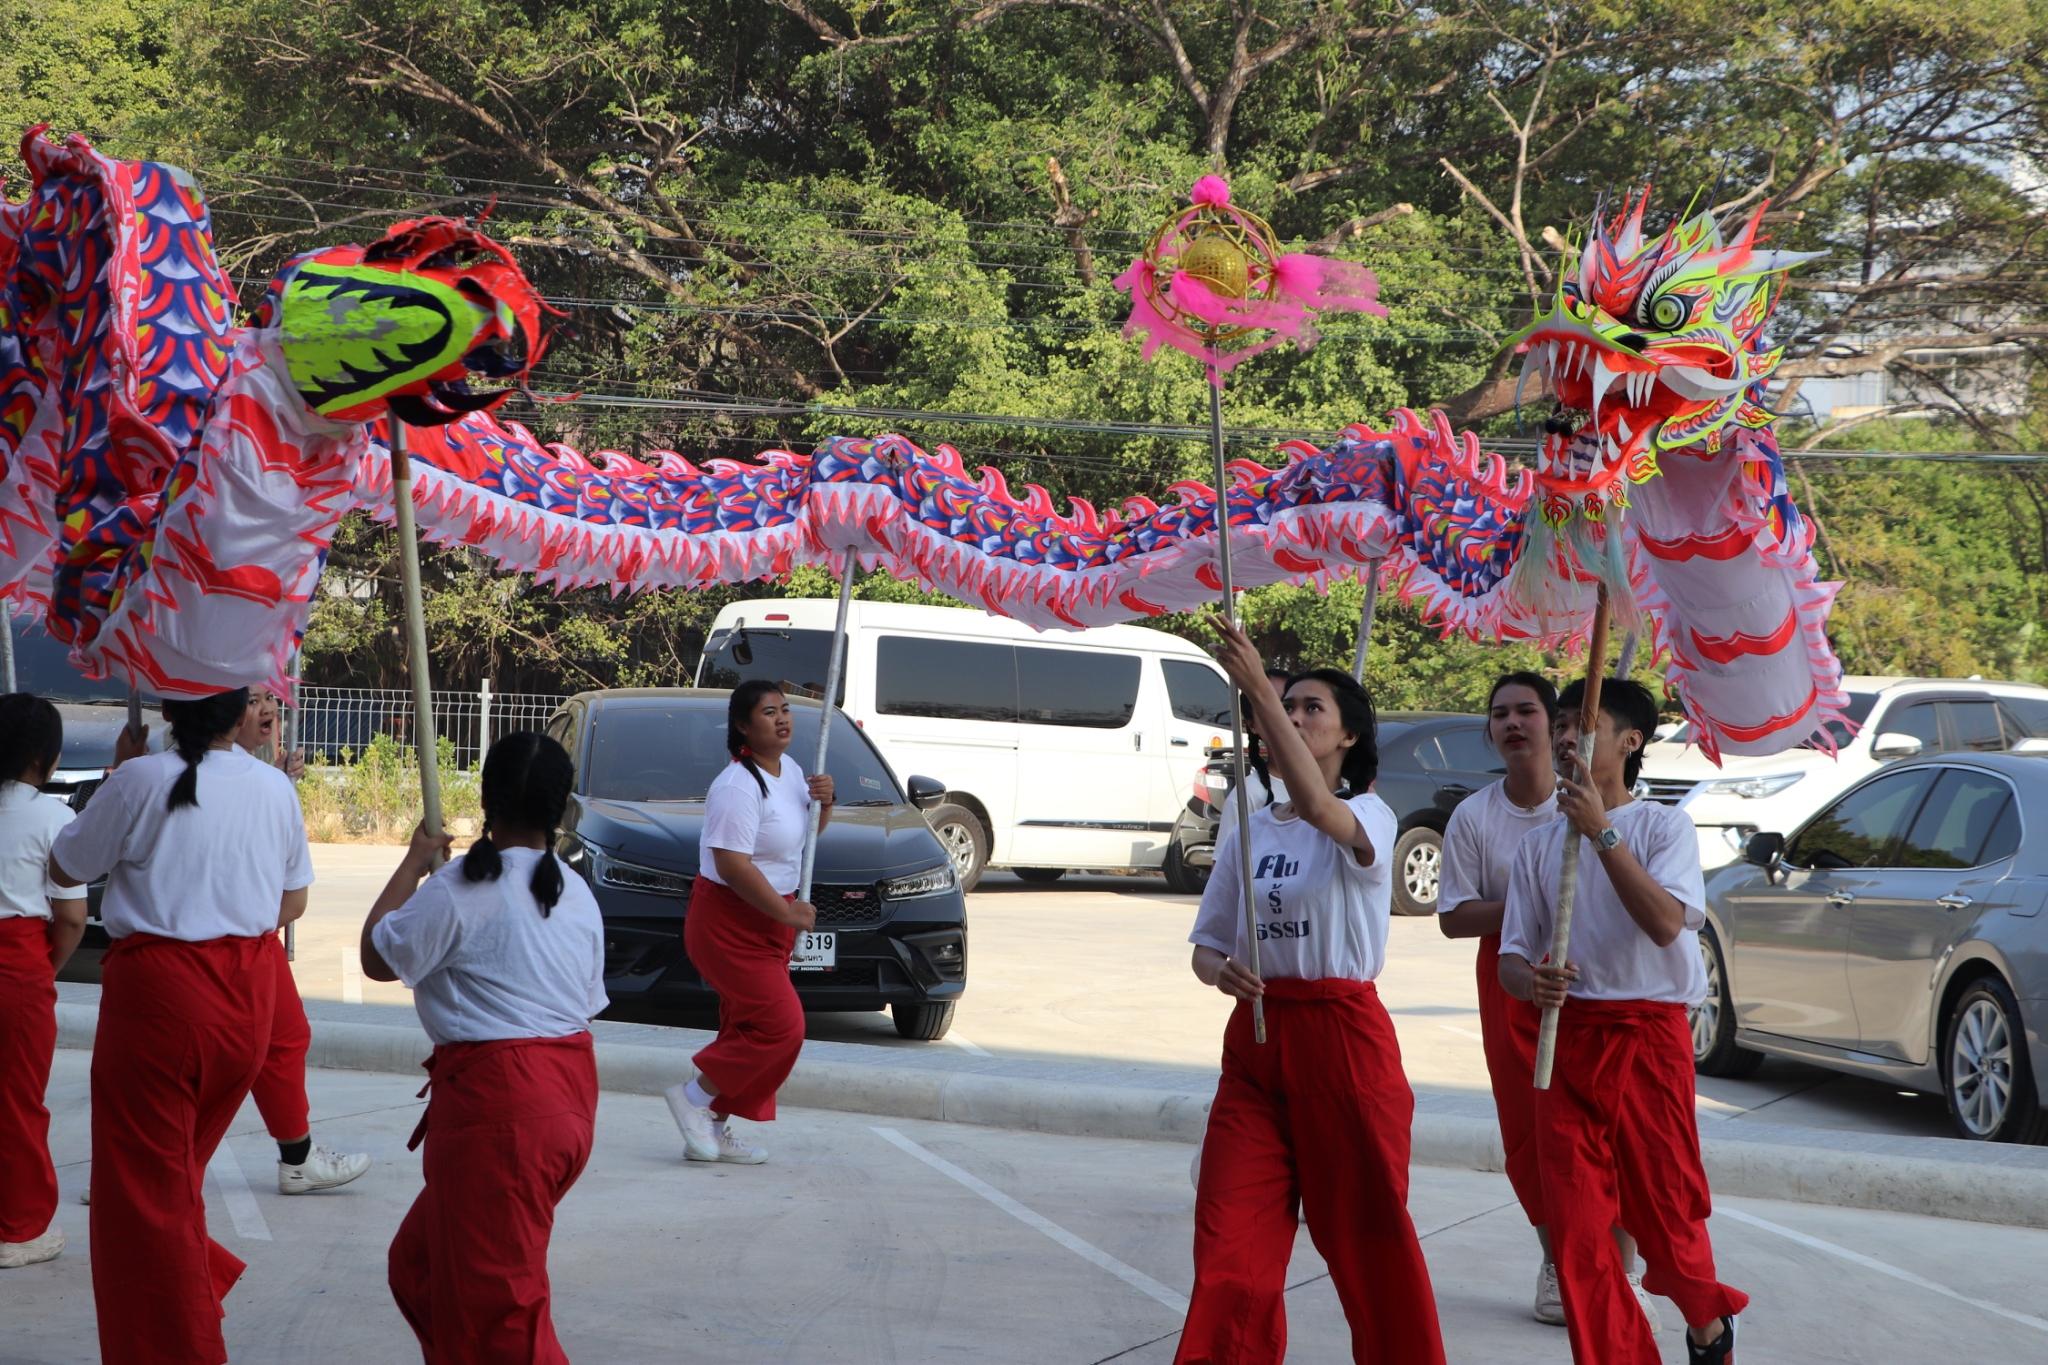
pixel 815 952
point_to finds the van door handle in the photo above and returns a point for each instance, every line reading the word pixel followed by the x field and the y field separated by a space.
pixel 1955 900
pixel 1138 739
pixel 1841 898
pixel 1178 743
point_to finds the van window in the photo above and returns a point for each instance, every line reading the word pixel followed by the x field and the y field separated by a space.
pixel 945 679
pixel 1095 691
pixel 1197 693
pixel 796 659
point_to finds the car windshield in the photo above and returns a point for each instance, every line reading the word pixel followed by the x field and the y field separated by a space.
pixel 42 665
pixel 1841 731
pixel 671 750
pixel 797 659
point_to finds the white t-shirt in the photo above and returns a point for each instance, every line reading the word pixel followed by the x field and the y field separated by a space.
pixel 1617 960
pixel 1227 821
pixel 215 870
pixel 484 963
pixel 1320 914
pixel 770 829
pixel 1480 842
pixel 29 822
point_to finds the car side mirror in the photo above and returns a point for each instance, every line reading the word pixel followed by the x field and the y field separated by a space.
pixel 1764 850
pixel 925 792
pixel 1892 744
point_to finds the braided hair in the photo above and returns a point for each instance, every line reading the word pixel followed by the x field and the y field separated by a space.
pixel 1255 756
pixel 195 725
pixel 745 698
pixel 31 737
pixel 526 783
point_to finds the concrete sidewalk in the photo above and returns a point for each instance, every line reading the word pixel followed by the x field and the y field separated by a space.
pixel 872 1239
pixel 1988 1183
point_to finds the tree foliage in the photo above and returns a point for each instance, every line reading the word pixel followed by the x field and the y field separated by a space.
pixel 766 222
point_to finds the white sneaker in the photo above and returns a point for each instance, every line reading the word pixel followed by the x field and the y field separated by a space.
pixel 1646 1302
pixel 731 1149
pixel 700 1142
pixel 35 1251
pixel 1549 1305
pixel 323 1169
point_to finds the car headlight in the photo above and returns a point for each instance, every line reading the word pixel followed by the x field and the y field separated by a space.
pixel 1751 788
pixel 933 881
pixel 604 870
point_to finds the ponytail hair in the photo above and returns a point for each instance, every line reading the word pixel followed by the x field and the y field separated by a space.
pixel 195 725
pixel 31 736
pixel 526 783
pixel 745 698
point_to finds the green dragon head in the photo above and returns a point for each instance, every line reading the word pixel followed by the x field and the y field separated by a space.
pixel 402 325
pixel 1651 345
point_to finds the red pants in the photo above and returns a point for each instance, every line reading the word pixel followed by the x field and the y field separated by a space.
pixel 1316 1118
pixel 508 1129
pixel 744 956
pixel 182 1031
pixel 28 1040
pixel 1620 1147
pixel 1508 1028
pixel 280 1089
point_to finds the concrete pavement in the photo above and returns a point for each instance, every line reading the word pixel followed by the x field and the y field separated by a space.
pixel 885 1240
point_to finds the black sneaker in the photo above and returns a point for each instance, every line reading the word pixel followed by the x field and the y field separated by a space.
pixel 1721 1352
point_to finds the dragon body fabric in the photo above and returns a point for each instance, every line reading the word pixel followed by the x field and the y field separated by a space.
pixel 170 479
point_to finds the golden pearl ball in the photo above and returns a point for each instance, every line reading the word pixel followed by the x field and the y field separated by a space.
pixel 1219 263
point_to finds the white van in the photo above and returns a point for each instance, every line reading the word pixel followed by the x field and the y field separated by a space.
pixel 1058 749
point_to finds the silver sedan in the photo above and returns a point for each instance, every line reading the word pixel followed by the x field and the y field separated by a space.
pixel 1900 934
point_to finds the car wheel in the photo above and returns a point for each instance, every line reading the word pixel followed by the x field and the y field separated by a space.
pixel 1181 879
pixel 963 838
pixel 1714 1052
pixel 927 1022
pixel 1985 1071
pixel 1043 876
pixel 1418 869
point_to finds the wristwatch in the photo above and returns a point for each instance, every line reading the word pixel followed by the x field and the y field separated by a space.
pixel 1607 840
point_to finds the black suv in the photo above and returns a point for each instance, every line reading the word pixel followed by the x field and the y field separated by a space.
pixel 892 922
pixel 1429 762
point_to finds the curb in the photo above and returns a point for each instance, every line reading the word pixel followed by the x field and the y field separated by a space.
pixel 1934 1177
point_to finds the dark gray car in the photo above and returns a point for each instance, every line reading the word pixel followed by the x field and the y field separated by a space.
pixel 1899 934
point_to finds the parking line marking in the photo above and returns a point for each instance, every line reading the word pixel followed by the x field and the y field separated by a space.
pixel 1135 1278
pixel 1463 1032
pixel 234 1192
pixel 1883 1268
pixel 957 1041
pixel 351 978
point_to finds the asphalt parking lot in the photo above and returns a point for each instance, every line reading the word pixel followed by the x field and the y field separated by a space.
pixel 887 1240
pixel 1088 977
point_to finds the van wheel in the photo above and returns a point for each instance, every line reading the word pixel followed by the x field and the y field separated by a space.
pixel 1181 879
pixel 963 838
pixel 926 1023
pixel 1418 869
pixel 1043 876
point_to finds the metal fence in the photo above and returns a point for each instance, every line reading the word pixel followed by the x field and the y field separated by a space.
pixel 338 723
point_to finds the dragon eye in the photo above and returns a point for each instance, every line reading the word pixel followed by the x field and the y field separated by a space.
pixel 1668 312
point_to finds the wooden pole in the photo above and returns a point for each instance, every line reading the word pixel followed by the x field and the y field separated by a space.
pixel 424 741
pixel 1241 785
pixel 1372 604
pixel 834 668
pixel 1568 870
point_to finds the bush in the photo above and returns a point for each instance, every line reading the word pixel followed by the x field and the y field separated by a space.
pixel 374 796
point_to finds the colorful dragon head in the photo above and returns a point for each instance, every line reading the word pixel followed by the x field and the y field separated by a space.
pixel 1652 344
pixel 403 324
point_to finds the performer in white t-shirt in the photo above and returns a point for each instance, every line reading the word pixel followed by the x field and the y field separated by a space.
pixel 40 925
pixel 742 924
pixel 505 957
pixel 1616 1128
pixel 204 852
pixel 303 1165
pixel 1315 1120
